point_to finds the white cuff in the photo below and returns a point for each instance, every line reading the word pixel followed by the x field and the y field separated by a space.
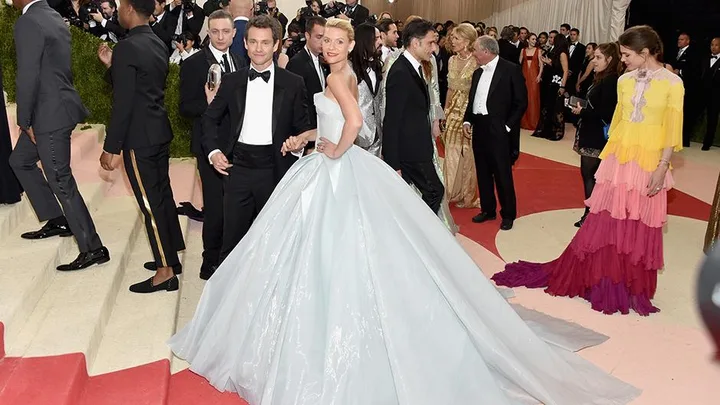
pixel 103 22
pixel 298 153
pixel 212 153
pixel 467 123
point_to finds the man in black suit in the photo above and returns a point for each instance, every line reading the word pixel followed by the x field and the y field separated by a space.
pixel 407 131
pixel 498 100
pixel 308 65
pixel 267 105
pixel 356 13
pixel 686 64
pixel 48 109
pixel 575 65
pixel 193 103
pixel 140 129
pixel 711 91
pixel 163 24
pixel 508 50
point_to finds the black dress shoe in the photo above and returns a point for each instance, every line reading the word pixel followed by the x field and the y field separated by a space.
pixel 177 269
pixel 705 148
pixel 484 216
pixel 506 224
pixel 49 230
pixel 87 259
pixel 207 272
pixel 147 286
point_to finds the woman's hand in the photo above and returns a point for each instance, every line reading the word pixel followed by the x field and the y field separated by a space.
pixel 293 144
pixel 657 179
pixel 328 148
pixel 561 91
pixel 538 79
pixel 577 109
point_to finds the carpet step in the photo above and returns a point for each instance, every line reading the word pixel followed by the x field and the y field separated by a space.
pixel 145 385
pixel 12 215
pixel 141 324
pixel 56 380
pixel 187 388
pixel 36 261
pixel 7 367
pixel 72 314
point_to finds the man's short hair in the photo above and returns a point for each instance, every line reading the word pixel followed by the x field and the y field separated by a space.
pixel 566 26
pixel 265 22
pixel 311 22
pixel 575 30
pixel 555 32
pixel 384 25
pixel 416 29
pixel 489 44
pixel 219 15
pixel 113 4
pixel 145 8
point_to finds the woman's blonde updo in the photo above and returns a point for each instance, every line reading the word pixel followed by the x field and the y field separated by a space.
pixel 343 25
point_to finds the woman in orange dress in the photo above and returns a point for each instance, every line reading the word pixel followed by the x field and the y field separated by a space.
pixel 532 70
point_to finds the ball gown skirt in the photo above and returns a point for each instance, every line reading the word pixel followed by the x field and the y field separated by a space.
pixel 348 290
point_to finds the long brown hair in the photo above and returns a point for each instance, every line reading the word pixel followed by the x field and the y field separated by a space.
pixel 611 52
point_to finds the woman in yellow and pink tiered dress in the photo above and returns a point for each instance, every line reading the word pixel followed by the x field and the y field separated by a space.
pixel 614 258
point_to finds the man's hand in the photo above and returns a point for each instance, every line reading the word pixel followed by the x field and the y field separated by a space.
pixel 210 94
pixel 220 163
pixel 343 17
pixel 108 161
pixel 293 144
pixel 30 134
pixel 180 47
pixel 97 17
pixel 467 130
pixel 436 129
pixel 105 54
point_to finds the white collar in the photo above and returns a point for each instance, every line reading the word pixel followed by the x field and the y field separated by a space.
pixel 414 62
pixel 241 18
pixel 218 54
pixel 684 48
pixel 27 6
pixel 159 17
pixel 270 68
pixel 312 55
pixel 492 64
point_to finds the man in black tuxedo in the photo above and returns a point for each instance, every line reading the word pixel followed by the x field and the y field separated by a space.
pixel 356 13
pixel 508 50
pixel 267 105
pixel 577 57
pixel 407 131
pixel 140 129
pixel 686 64
pixel 163 24
pixel 193 103
pixel 308 65
pixel 48 109
pixel 498 100
pixel 711 91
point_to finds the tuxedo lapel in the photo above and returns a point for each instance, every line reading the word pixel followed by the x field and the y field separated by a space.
pixel 473 87
pixel 242 95
pixel 278 96
pixel 496 78
pixel 311 66
pixel 416 76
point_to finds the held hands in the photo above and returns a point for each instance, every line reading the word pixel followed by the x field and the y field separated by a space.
pixel 109 161
pixel 105 54
pixel 328 148
pixel 293 144
pixel 657 179
pixel 220 163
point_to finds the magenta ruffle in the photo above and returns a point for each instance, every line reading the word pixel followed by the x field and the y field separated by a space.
pixel 612 263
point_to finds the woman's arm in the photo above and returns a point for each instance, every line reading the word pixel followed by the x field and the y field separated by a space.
pixel 585 75
pixel 565 68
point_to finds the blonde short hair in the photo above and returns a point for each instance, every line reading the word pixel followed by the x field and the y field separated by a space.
pixel 343 25
pixel 468 32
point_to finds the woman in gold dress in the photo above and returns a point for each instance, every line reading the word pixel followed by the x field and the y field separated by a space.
pixel 713 229
pixel 459 165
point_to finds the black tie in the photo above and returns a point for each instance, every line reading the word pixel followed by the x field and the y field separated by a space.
pixel 714 57
pixel 420 72
pixel 226 64
pixel 254 74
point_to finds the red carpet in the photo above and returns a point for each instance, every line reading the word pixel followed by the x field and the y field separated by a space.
pixel 545 185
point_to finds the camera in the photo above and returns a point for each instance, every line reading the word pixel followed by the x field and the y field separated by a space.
pixel 188 5
pixel 334 11
pixel 93 8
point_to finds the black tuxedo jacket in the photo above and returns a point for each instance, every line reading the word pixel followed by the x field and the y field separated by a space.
pixel 406 127
pixel 289 114
pixel 359 15
pixel 302 65
pixel 711 81
pixel 689 66
pixel 506 103
pixel 138 74
pixel 193 103
pixel 165 28
pixel 509 52
pixel 575 61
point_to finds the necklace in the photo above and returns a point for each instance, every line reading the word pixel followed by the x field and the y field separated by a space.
pixel 461 57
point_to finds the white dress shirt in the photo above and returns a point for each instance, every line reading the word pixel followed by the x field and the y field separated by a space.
pixel 178 56
pixel 27 6
pixel 219 58
pixel 318 69
pixel 386 51
pixel 257 121
pixel 714 60
pixel 682 51
pixel 414 62
pixel 373 78
pixel 572 47
pixel 482 91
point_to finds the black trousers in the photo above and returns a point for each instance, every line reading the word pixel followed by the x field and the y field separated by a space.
pixel 424 176
pixel 691 114
pixel 52 149
pixel 493 164
pixel 588 167
pixel 713 111
pixel 148 172
pixel 212 232
pixel 248 187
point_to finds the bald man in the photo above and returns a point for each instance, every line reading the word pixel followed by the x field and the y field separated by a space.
pixel 241 11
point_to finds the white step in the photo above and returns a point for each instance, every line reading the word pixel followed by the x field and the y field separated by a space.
pixel 141 324
pixel 72 313
pixel 28 267
pixel 12 215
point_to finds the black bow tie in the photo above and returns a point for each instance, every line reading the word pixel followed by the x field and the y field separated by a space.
pixel 713 57
pixel 254 74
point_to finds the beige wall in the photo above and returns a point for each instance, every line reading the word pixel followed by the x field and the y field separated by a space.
pixel 434 10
